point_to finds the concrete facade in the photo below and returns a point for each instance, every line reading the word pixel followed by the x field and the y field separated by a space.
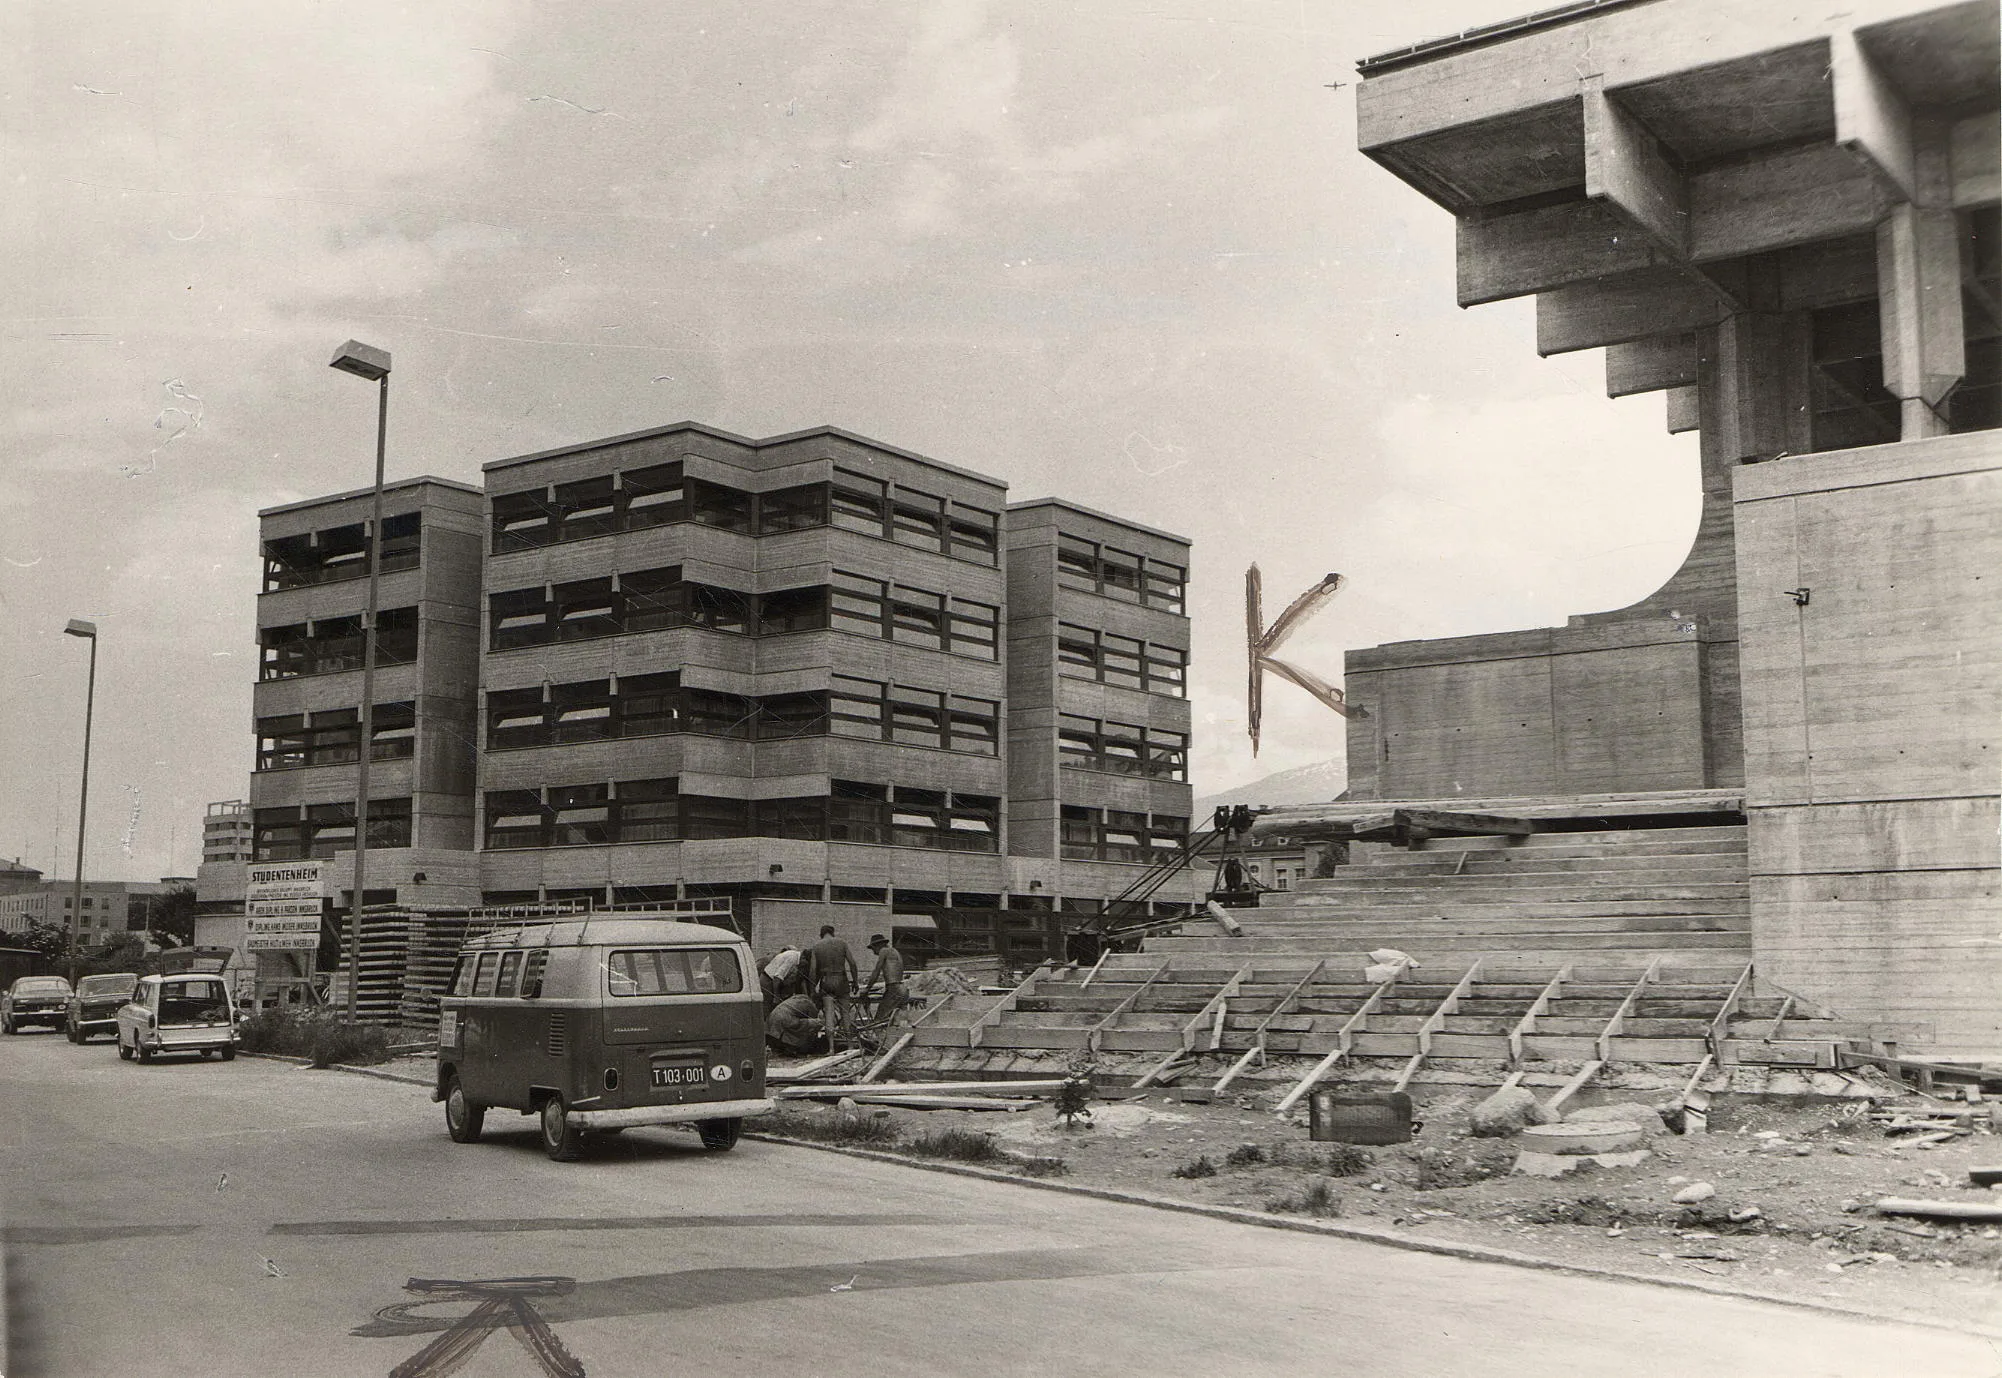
pixel 683 665
pixel 1786 221
pixel 308 695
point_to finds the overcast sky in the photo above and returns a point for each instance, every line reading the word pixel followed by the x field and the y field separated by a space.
pixel 1123 252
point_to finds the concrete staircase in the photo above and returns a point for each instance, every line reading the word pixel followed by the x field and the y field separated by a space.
pixel 1573 948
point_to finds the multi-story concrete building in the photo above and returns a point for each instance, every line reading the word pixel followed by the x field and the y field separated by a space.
pixel 773 670
pixel 1098 721
pixel 790 676
pixel 111 908
pixel 227 832
pixel 1786 219
pixel 308 694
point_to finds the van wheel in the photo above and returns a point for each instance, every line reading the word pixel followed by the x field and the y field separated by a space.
pixel 719 1136
pixel 123 1051
pixel 145 1053
pixel 227 1054
pixel 562 1143
pixel 463 1118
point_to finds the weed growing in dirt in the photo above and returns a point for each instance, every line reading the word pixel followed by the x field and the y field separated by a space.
pixel 963 1145
pixel 323 1038
pixel 868 1131
pixel 1043 1167
pixel 1318 1197
pixel 1246 1155
pixel 1199 1166
pixel 1438 1168
pixel 1072 1101
pixel 1348 1160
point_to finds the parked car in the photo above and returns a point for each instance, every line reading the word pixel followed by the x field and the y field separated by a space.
pixel 35 1000
pixel 93 1006
pixel 598 1026
pixel 190 1012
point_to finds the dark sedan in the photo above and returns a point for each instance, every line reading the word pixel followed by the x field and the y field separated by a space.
pixel 93 1007
pixel 35 1000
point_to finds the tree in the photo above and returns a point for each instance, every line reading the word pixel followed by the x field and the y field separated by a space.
pixel 170 917
pixel 52 940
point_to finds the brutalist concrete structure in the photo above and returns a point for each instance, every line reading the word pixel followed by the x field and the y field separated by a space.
pixel 1785 219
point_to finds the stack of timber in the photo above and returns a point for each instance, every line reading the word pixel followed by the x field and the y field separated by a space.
pixel 931 1095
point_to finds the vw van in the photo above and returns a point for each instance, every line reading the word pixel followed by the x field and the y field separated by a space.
pixel 598 1025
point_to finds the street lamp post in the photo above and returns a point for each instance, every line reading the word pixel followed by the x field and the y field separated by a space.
pixel 88 631
pixel 366 361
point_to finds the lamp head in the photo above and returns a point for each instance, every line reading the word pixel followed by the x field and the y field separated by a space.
pixel 78 627
pixel 363 361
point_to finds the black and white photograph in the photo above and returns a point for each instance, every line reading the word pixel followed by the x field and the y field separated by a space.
pixel 1000 687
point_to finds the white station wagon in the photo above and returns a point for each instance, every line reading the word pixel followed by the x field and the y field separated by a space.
pixel 190 1012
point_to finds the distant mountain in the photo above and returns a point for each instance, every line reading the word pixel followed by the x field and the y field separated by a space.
pixel 1312 784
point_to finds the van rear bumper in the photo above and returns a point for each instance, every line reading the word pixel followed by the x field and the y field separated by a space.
pixel 669 1114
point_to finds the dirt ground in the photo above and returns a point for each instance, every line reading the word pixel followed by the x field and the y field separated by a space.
pixel 1811 1170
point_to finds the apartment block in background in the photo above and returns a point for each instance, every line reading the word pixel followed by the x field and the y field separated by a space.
pixel 308 694
pixel 1098 718
pixel 767 670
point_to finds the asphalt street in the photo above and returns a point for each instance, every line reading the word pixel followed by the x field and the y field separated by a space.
pixel 213 1219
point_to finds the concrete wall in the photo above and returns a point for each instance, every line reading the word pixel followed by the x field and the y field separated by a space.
pixel 1873 730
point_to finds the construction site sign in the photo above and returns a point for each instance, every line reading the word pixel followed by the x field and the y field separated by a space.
pixel 283 901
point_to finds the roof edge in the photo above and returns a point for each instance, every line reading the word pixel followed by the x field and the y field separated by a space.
pixel 1079 507
pixel 1485 34
pixel 390 487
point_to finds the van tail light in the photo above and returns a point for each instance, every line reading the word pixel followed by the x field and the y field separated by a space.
pixel 611 1078
pixel 748 1069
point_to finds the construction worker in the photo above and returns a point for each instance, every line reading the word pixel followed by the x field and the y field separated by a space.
pixel 831 976
pixel 794 1025
pixel 890 967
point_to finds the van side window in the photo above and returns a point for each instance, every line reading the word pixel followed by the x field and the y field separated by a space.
pixel 531 973
pixel 462 976
pixel 510 974
pixel 483 980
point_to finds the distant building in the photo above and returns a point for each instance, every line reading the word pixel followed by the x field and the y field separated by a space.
pixel 16 877
pixel 111 908
pixel 813 679
pixel 227 831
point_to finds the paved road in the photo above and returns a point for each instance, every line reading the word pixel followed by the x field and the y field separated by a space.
pixel 253 1218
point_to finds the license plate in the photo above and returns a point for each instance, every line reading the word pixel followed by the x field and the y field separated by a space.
pixel 680 1074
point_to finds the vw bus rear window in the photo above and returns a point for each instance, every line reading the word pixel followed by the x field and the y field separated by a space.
pixel 674 971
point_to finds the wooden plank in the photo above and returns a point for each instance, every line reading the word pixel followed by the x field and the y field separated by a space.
pixel 1571 1087
pixel 1625 166
pixel 1518 253
pixel 1007 1002
pixel 1527 1024
pixel 1093 973
pixel 882 1064
pixel 1042 1087
pixel 817 1066
pixel 943 1102
pixel 1619 1019
pixel 1344 1037
pixel 1944 1210
pixel 1871 120
pixel 1097 1030
pixel 1258 1037
pixel 1460 824
pixel 1651 365
pixel 1720 1023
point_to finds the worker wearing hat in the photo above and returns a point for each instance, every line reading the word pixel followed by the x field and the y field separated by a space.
pixel 890 967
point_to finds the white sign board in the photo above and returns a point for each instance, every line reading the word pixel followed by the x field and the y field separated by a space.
pixel 284 909
pixel 286 880
pixel 281 942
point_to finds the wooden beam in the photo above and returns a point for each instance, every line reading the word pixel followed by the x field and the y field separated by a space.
pixel 1720 1023
pixel 1651 365
pixel 882 1064
pixel 1258 1036
pixel 1633 306
pixel 1794 196
pixel 1619 1019
pixel 1344 1038
pixel 1457 824
pixel 1005 1003
pixel 1090 975
pixel 1092 1037
pixel 1537 1007
pixel 1571 1087
pixel 1626 167
pixel 1517 253
pixel 1871 121
pixel 1683 409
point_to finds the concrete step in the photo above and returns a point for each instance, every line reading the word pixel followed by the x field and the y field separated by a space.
pixel 1542 862
pixel 1541 947
pixel 1471 908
